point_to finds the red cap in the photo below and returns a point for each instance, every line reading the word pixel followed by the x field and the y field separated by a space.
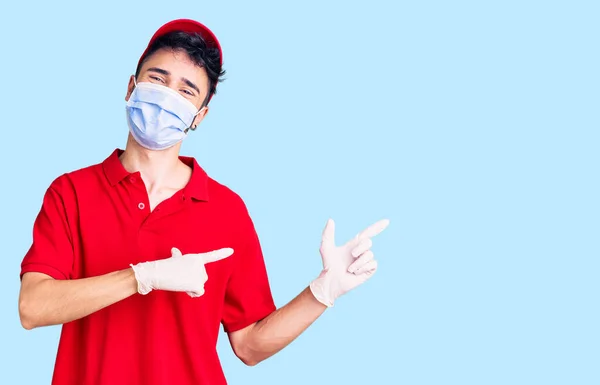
pixel 186 25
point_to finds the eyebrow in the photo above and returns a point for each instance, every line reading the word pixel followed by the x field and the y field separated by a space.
pixel 190 84
pixel 167 73
pixel 159 70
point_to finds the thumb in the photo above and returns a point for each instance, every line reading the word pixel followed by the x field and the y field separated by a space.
pixel 175 252
pixel 328 237
pixel 216 255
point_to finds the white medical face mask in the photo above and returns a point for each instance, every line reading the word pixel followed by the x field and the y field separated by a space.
pixel 159 117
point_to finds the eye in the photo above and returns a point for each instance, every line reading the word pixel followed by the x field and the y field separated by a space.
pixel 157 79
pixel 188 92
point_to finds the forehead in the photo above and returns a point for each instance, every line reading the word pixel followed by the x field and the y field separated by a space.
pixel 178 63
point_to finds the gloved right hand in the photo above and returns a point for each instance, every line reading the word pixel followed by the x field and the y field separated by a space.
pixel 184 273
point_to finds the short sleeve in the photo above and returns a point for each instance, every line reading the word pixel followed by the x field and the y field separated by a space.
pixel 248 296
pixel 51 251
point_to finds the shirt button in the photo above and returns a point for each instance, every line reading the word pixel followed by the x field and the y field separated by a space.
pixel 141 205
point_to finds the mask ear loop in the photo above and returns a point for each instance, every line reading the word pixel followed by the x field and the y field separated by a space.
pixel 193 128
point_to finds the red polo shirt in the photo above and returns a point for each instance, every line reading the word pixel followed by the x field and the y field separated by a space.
pixel 96 220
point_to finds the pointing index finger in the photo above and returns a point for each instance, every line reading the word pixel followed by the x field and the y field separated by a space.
pixel 216 255
pixel 373 230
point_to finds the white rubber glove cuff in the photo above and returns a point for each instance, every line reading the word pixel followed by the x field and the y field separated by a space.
pixel 144 275
pixel 322 289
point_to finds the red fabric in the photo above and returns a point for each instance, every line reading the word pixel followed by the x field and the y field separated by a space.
pixel 189 26
pixel 97 220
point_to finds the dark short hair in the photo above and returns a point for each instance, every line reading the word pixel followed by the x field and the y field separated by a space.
pixel 196 48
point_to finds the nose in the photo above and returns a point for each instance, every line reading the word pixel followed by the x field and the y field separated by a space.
pixel 172 85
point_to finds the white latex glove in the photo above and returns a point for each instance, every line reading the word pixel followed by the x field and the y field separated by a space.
pixel 177 273
pixel 345 267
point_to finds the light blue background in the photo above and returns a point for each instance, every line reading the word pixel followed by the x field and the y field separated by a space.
pixel 473 126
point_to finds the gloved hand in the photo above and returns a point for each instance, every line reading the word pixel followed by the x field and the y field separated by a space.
pixel 177 273
pixel 347 266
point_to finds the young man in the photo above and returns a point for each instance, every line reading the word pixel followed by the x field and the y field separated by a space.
pixel 142 257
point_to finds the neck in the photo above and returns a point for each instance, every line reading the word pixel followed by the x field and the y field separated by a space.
pixel 157 168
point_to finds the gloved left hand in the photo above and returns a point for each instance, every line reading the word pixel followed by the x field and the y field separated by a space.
pixel 345 267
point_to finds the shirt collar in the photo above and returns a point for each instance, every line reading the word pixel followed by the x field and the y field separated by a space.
pixel 197 187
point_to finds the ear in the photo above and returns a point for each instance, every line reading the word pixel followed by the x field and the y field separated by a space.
pixel 130 87
pixel 199 117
